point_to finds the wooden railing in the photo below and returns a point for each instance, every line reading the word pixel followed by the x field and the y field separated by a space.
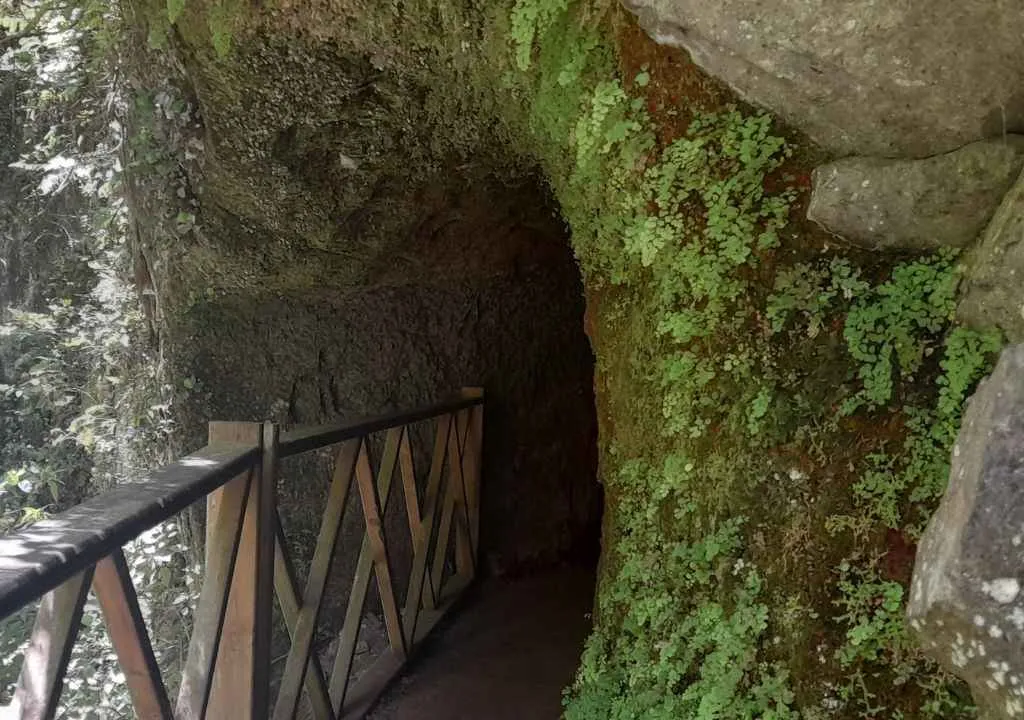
pixel 227 673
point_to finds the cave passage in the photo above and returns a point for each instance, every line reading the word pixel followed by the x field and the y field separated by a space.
pixel 514 644
pixel 484 292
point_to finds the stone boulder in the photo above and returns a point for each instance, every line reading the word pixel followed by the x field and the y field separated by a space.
pixel 993 289
pixel 941 201
pixel 895 78
pixel 966 601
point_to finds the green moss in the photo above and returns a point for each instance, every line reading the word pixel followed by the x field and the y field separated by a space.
pixel 719 364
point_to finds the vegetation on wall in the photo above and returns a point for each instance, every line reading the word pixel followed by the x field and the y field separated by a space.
pixel 777 412
pixel 742 359
pixel 81 402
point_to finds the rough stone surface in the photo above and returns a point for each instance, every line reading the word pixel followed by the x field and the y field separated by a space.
pixel 891 78
pixel 496 302
pixel 941 201
pixel 352 254
pixel 993 290
pixel 966 601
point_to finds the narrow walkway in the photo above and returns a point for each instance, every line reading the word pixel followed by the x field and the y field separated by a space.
pixel 506 655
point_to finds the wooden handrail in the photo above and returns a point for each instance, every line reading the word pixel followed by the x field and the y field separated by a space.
pixel 303 440
pixel 36 560
pixel 227 672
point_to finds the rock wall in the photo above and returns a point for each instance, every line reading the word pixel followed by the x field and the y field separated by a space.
pixel 517 332
pixel 345 242
pixel 893 79
pixel 774 403
pixel 966 603
pixel 926 96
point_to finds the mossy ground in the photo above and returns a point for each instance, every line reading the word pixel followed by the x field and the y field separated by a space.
pixel 776 407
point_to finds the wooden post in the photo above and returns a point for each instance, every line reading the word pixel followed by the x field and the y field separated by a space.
pixel 263 580
pixel 224 627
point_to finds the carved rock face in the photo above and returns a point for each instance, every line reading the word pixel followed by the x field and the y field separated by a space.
pixel 967 596
pixel 941 201
pixel 993 290
pixel 871 77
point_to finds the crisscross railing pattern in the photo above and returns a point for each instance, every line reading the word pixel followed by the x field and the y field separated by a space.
pixel 227 673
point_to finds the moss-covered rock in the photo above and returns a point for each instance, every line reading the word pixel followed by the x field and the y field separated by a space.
pixel 775 411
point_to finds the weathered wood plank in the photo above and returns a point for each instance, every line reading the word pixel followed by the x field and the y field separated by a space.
pixel 473 466
pixel 226 511
pixel 465 553
pixel 113 587
pixel 421 587
pixel 339 682
pixel 411 492
pixel 41 557
pixel 373 512
pixel 46 658
pixel 264 542
pixel 234 669
pixel 437 565
pixel 342 669
pixel 303 439
pixel 287 589
pixel 323 556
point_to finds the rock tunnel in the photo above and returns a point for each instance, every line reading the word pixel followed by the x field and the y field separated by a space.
pixel 355 243
pixel 364 217
pixel 487 295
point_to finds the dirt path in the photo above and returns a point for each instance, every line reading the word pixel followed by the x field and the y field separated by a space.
pixel 506 655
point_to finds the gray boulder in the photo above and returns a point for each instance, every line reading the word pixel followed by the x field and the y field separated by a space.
pixel 967 595
pixel 941 201
pixel 993 290
pixel 894 78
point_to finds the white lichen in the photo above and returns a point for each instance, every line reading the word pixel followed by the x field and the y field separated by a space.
pixel 1016 617
pixel 1002 590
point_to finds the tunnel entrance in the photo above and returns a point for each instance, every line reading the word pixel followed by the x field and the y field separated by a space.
pixel 515 643
pixel 483 291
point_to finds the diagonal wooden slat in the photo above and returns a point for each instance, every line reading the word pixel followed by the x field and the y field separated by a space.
pixel 462 422
pixel 49 649
pixel 323 555
pixel 465 553
pixel 373 513
pixel 421 545
pixel 438 564
pixel 349 634
pixel 472 464
pixel 208 618
pixel 113 587
pixel 287 589
pixel 374 681
pixel 360 586
pixel 412 498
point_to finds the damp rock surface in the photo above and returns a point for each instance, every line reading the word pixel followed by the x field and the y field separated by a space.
pixel 993 289
pixel 892 78
pixel 967 595
pixel 941 201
